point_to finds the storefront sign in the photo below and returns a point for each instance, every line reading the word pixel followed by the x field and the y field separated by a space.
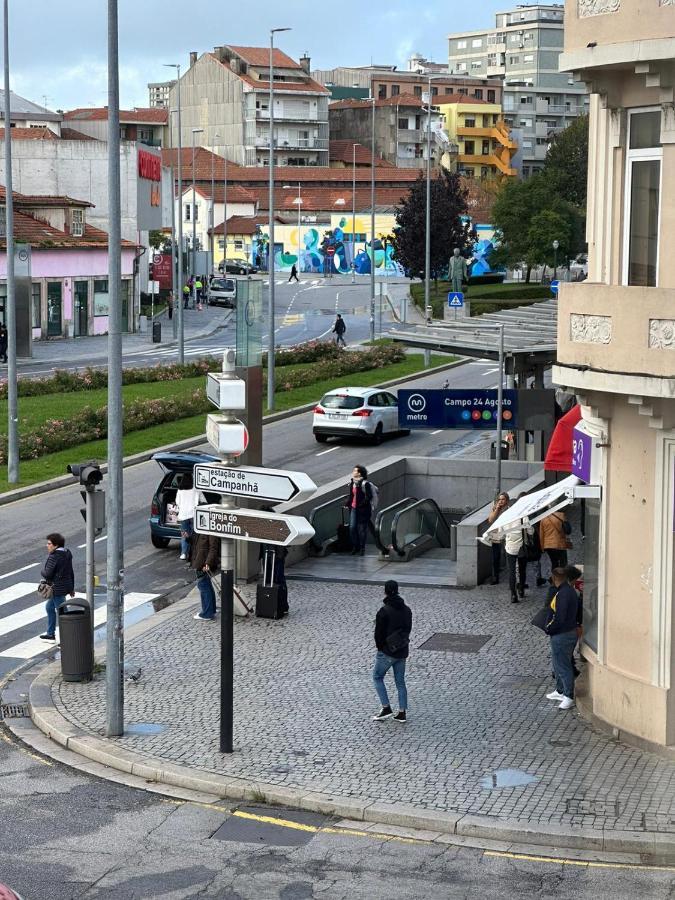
pixel 149 193
pixel 162 270
pixel 466 409
pixel 582 451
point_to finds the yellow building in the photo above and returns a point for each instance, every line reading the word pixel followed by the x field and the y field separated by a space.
pixel 476 126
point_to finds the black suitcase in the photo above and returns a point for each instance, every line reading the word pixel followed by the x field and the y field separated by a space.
pixel 271 600
pixel 343 543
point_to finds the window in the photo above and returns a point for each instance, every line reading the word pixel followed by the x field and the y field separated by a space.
pixel 514 60
pixel 395 90
pixel 186 215
pixel 528 58
pixel 525 123
pixel 526 100
pixel 643 189
pixel 469 148
pixel 491 96
pixel 461 45
pixel 101 297
pixel 434 92
pixel 476 64
pixel 77 222
pixel 484 171
pixel 477 42
pixel 238 245
pixel 478 94
pixel 469 122
pixel 463 91
pixel 382 92
pixel 417 90
pixel 36 304
pixel 461 67
pixel 3 221
pixel 492 59
pixel 403 124
pixel 486 148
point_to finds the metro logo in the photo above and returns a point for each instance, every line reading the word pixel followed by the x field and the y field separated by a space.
pixel 149 166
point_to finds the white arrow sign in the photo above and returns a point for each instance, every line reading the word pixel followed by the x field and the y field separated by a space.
pixel 252 481
pixel 252 525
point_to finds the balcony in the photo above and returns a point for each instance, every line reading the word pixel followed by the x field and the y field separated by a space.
pixel 486 159
pixel 290 144
pixel 495 71
pixel 310 115
pixel 499 133
pixel 628 331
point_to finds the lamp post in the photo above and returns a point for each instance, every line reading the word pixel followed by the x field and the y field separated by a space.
pixel 179 288
pixel 194 222
pixel 225 218
pixel 353 208
pixel 427 229
pixel 270 252
pixel 175 282
pixel 371 100
pixel 297 200
pixel 556 244
pixel 212 217
pixel 12 389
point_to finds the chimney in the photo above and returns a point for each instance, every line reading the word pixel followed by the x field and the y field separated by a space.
pixel 305 62
pixel 193 57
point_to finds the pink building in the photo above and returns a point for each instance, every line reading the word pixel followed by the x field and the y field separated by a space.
pixel 69 267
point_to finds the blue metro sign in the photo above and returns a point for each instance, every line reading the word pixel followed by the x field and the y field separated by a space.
pixel 459 408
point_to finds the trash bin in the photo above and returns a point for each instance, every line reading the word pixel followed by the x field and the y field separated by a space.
pixel 156 332
pixel 77 649
pixel 505 450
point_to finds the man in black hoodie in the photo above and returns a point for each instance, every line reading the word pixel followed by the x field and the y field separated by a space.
pixel 58 572
pixel 393 625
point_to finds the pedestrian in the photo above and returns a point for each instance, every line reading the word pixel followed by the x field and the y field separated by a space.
pixel 294 273
pixel 562 631
pixel 359 503
pixel 575 578
pixel 339 329
pixel 186 296
pixel 169 305
pixel 393 624
pixel 516 546
pixel 198 293
pixel 186 500
pixel 205 558
pixel 553 531
pixel 498 507
pixel 58 573
pixel 3 343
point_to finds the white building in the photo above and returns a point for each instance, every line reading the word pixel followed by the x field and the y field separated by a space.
pixel 26 114
pixel 158 93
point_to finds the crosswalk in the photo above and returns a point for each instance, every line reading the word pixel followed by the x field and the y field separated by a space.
pixel 279 281
pixel 23 618
pixel 189 350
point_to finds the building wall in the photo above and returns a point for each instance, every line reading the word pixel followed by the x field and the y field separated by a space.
pixel 608 23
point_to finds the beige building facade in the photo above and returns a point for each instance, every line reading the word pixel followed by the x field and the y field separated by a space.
pixel 616 351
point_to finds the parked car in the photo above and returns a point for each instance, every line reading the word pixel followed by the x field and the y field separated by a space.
pixel 236 267
pixel 163 522
pixel 222 292
pixel 356 412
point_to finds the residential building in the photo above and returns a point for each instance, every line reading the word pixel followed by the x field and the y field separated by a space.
pixel 344 154
pixel 384 82
pixel 69 266
pixel 522 50
pixel 226 94
pixel 485 146
pixel 143 125
pixel 206 210
pixel 418 63
pixel 158 93
pixel 400 128
pixel 616 343
pixel 26 114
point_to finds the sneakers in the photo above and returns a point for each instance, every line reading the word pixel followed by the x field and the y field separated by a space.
pixel 385 713
pixel 183 556
pixel 400 716
pixel 521 591
pixel 202 618
pixel 567 703
pixel 47 637
pixel 554 695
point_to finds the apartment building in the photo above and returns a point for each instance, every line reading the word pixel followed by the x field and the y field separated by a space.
pixel 158 93
pixel 485 147
pixel 522 50
pixel 225 103
pixel 144 125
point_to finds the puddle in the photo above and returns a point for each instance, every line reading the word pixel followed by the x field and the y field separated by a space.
pixel 504 778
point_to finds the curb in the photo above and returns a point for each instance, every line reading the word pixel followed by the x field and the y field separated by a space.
pixel 42 487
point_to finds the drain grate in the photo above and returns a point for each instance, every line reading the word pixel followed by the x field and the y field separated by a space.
pixel 456 643
pixel 581 806
pixel 13 711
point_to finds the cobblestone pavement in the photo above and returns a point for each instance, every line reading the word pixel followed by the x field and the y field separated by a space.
pixel 304 701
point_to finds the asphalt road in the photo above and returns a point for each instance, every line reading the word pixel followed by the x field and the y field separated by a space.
pixel 68 835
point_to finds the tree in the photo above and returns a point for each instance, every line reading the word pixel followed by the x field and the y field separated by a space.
pixel 566 162
pixel 448 227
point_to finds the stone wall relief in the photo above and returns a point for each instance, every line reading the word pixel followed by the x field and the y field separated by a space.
pixel 590 329
pixel 662 334
pixel 586 8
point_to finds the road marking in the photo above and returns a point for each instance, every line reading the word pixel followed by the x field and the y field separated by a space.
pixel 20 589
pixel 330 450
pixel 7 739
pixel 22 569
pixel 26 616
pixel 436 432
pixel 103 537
pixel 491 371
pixel 561 861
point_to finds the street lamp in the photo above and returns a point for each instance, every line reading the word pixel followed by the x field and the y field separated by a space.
pixel 298 200
pixel 194 221
pixel 12 389
pixel 427 236
pixel 216 138
pixel 270 252
pixel 179 291
pixel 353 208
pixel 371 100
pixel 556 244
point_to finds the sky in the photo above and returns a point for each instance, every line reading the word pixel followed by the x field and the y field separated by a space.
pixel 58 49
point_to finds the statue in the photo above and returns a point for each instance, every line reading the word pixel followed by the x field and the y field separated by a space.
pixel 457 271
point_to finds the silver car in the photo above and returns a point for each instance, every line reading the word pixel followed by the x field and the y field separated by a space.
pixel 222 292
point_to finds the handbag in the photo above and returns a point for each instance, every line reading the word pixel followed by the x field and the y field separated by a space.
pixel 397 640
pixel 529 550
pixel 542 618
pixel 45 590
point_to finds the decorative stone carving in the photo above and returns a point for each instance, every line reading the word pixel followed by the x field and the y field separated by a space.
pixel 588 8
pixel 662 332
pixel 666 2
pixel 590 329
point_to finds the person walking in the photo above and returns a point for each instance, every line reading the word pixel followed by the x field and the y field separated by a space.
pixel 3 343
pixel 169 305
pixel 393 624
pixel 359 503
pixel 562 631
pixel 339 329
pixel 58 573
pixel 516 558
pixel 186 500
pixel 553 531
pixel 294 273
pixel 205 558
pixel 498 507
pixel 186 295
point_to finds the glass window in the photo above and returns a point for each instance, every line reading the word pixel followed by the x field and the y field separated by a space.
pixel 395 90
pixel 644 222
pixel 101 297
pixel 3 220
pixel 36 305
pixel 469 122
pixel 491 96
pixel 403 124
pixel 461 45
pixel 417 90
pixel 645 130
pixel 477 42
pixel 469 148
pixel 382 92
pixel 478 94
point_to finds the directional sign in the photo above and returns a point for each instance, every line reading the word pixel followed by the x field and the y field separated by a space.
pixel 456 408
pixel 554 288
pixel 252 525
pixel 455 299
pixel 277 485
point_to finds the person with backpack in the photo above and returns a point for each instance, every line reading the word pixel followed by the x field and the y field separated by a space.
pixel 339 329
pixel 553 532
pixel 361 501
pixel 393 624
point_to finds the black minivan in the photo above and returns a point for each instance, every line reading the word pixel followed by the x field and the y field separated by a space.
pixel 163 522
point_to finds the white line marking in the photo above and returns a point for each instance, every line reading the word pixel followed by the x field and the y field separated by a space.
pixel 96 541
pixel 20 589
pixel 436 432
pixel 22 569
pixel 26 616
pixel 330 450
pixel 491 371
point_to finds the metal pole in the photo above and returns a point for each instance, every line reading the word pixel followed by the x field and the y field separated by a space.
pixel 193 258
pixel 175 282
pixel 372 222
pixel 380 317
pixel 500 399
pixel 12 389
pixel 89 555
pixel 179 291
pixel 225 220
pixel 427 225
pixel 270 253
pixel 212 216
pixel 353 208
pixel 115 560
pixel 226 641
pixel 299 208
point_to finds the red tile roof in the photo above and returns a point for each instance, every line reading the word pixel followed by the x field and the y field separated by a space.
pixel 341 151
pixel 245 224
pixel 41 236
pixel 30 134
pixel 235 192
pixel 42 200
pixel 71 134
pixel 304 82
pixel 260 56
pixel 144 115
pixel 401 100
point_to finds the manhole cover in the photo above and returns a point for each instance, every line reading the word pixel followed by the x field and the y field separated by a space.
pixel 456 643
pixel 582 806
pixel 504 778
pixel 144 728
pixel 13 711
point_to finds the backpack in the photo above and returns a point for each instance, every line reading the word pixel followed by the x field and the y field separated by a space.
pixel 374 495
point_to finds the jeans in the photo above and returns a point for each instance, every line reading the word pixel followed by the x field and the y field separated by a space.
pixel 358 528
pixel 339 339
pixel 382 665
pixel 496 559
pixel 207 594
pixel 562 648
pixel 185 525
pixel 558 558
pixel 51 606
pixel 512 562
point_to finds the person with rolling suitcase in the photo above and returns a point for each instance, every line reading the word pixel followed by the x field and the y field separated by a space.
pixel 271 601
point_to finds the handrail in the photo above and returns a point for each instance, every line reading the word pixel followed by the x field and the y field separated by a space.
pixel 430 521
pixel 383 529
pixel 325 525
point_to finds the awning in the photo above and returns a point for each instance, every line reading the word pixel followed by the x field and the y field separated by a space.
pixel 559 452
pixel 534 507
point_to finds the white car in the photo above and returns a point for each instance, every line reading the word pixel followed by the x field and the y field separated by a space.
pixel 356 412
pixel 222 292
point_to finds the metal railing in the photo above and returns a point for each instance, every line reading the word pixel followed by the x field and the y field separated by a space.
pixel 325 520
pixel 422 519
pixel 384 521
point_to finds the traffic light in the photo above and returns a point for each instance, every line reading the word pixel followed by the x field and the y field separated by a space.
pixel 89 473
pixel 151 271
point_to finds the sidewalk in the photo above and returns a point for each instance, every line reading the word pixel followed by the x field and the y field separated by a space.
pixel 484 754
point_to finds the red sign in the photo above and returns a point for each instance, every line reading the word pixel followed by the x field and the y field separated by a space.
pixel 149 165
pixel 162 270
pixel 330 251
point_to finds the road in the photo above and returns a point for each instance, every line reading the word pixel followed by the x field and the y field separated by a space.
pixel 127 844
pixel 150 574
